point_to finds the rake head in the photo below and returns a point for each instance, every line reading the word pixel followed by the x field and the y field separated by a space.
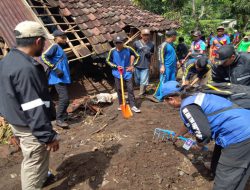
pixel 164 134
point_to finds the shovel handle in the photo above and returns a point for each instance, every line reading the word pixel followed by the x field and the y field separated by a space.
pixel 122 89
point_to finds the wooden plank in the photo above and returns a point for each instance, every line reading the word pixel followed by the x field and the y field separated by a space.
pixel 53 24
pixel 70 44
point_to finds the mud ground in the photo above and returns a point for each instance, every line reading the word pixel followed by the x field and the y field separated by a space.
pixel 122 156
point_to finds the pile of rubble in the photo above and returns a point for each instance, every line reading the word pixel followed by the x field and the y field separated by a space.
pixel 5 132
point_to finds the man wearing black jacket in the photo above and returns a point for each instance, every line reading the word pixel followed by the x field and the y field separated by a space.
pixel 232 67
pixel 25 103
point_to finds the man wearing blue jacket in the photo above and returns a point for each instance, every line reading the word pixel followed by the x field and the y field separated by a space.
pixel 226 123
pixel 56 59
pixel 168 62
pixel 124 58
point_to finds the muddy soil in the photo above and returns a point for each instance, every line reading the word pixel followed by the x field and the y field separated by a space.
pixel 122 156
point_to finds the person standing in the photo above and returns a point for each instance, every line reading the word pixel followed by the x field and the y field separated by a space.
pixel 211 117
pixel 236 37
pixel 244 45
pixel 123 58
pixel 145 48
pixel 220 40
pixel 168 62
pixel 181 49
pixel 59 74
pixel 26 104
pixel 198 48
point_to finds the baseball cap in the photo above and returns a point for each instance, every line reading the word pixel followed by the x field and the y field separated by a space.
pixel 171 33
pixel 197 33
pixel 145 31
pixel 220 27
pixel 202 61
pixel 58 33
pixel 118 39
pixel 224 53
pixel 28 29
pixel 170 87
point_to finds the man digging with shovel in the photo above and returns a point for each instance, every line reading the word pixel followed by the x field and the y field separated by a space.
pixel 122 60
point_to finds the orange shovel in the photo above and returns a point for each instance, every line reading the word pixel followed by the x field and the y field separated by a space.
pixel 126 111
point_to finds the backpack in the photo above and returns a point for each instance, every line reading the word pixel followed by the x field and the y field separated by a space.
pixel 238 94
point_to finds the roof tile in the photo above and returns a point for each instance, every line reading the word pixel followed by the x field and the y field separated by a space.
pixel 103 29
pixel 97 23
pixel 95 31
pixel 53 3
pixel 83 51
pixel 83 26
pixel 116 27
pixel 79 20
pixel 88 33
pixel 101 38
pixel 90 24
pixel 108 37
pixel 85 11
pixel 65 12
pixel 98 49
pixel 91 16
pixel 62 5
pixel 92 10
pixel 93 40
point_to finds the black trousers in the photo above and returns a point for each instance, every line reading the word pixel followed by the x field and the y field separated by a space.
pixel 130 89
pixel 62 91
pixel 233 168
pixel 215 158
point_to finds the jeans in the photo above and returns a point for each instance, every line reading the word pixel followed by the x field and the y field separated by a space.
pixel 130 89
pixel 63 104
pixel 141 76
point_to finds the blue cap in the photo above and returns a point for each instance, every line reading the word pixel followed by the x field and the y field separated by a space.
pixel 170 87
pixel 58 33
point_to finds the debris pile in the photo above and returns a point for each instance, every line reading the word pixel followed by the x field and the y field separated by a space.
pixel 5 132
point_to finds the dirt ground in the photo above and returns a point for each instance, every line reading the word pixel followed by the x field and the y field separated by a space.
pixel 122 156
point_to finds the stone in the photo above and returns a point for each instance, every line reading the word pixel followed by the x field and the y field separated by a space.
pixel 13 175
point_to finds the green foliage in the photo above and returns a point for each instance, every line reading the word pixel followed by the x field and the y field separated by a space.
pixel 241 7
pixel 207 15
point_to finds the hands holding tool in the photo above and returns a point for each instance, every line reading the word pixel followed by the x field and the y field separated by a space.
pixel 128 69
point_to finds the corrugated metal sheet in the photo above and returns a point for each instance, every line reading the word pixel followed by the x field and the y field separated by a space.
pixel 11 13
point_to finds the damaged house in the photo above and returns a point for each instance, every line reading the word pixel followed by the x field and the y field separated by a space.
pixel 91 26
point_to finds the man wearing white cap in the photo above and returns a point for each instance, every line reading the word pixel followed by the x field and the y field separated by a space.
pixel 26 104
pixel 145 48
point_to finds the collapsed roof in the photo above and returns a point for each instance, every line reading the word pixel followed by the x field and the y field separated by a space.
pixel 91 24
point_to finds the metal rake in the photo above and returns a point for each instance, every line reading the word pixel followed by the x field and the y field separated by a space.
pixel 164 134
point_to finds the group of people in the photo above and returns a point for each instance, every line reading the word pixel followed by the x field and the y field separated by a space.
pixel 207 116
pixel 26 104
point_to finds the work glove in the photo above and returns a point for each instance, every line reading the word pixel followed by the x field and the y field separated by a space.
pixel 59 73
pixel 120 69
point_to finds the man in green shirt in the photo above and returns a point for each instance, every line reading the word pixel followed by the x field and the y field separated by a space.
pixel 244 45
